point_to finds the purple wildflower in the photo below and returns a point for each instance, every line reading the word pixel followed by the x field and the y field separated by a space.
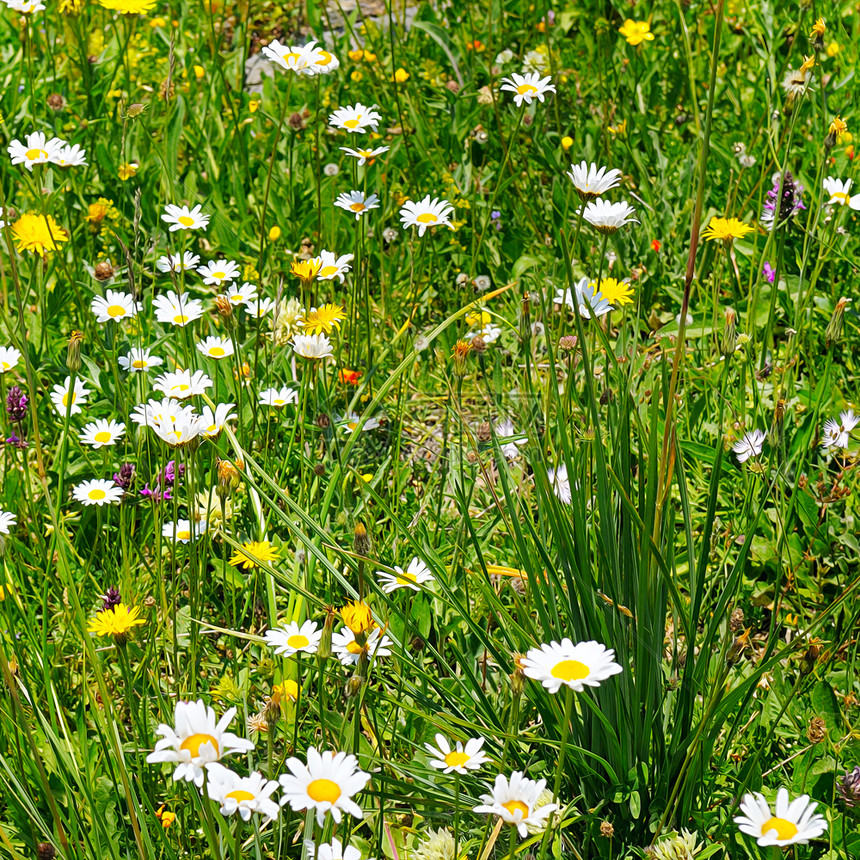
pixel 125 476
pixel 16 405
pixel 110 599
pixel 785 206
pixel 769 272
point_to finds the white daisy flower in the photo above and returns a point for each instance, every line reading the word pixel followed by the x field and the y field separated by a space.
pixel 357 118
pixel 290 57
pixel 102 432
pixel 172 422
pixel 347 650
pixel 183 218
pixel 291 639
pixel 459 758
pixel 327 784
pixel 218 271
pixel 60 396
pixel 215 347
pixel 584 299
pixel 365 155
pixel 177 262
pixel 560 483
pixel 331 267
pixel 504 57
pixel 515 801
pixel 197 741
pixel 357 203
pixel 426 213
pixel 839 191
pixel 9 357
pixel 176 310
pixel 98 492
pixel 527 87
pixel 278 397
pixel 607 217
pixel 322 61
pixel 242 794
pixel 793 823
pixel 139 360
pixel 182 383
pixel 258 308
pixel 416 575
pixel 591 181
pixel 351 422
pixel 749 445
pixel 241 295
pixel 114 306
pixel 212 423
pixel 489 333
pixel 70 155
pixel 314 346
pixel 183 531
pixel 25 7
pixel 578 666
pixel 535 61
pixel 333 850
pixel 508 440
pixel 7 520
pixel 36 149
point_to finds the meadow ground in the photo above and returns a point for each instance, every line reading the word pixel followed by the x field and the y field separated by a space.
pixel 428 430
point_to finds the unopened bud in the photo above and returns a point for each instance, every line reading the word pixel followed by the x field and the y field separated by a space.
pixel 225 308
pixel 73 355
pixel 730 333
pixel 361 540
pixel 834 327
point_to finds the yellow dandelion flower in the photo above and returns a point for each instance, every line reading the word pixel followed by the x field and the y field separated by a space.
pixel 324 319
pixel 38 233
pixel 726 229
pixel 118 621
pixel 818 29
pixel 254 552
pixel 615 292
pixel 357 617
pixel 128 7
pixel 808 63
pixel 478 319
pixel 98 211
pixel 128 170
pixel 636 32
pixel 838 126
pixel 306 270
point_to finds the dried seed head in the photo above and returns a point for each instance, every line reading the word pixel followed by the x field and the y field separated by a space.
pixel 816 730
pixel 104 270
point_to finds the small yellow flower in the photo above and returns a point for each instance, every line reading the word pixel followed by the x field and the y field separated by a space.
pixel 833 49
pixel 253 105
pixel 324 319
pixel 356 76
pixel 158 22
pixel 619 130
pixel 166 818
pixel 838 126
pixel 355 55
pixel 818 28
pixel 288 690
pixel 478 319
pixel 401 76
pixel 199 72
pixel 38 233
pixel 117 621
pixel 369 57
pixel 98 211
pixel 305 270
pixel 126 171
pixel 808 63
pixel 614 291
pixel 274 234
pixel 726 230
pixel 254 552
pixel 636 32
pixel 566 143
pixel 357 617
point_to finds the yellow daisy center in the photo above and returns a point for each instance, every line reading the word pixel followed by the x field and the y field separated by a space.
pixel 456 759
pixel 180 319
pixel 279 401
pixel 33 154
pixel 570 670
pixel 97 495
pixel 219 275
pixel 325 58
pixel 240 795
pixel 6 365
pixel 183 387
pixel 193 743
pixel 406 576
pixel 184 534
pixel 354 648
pixel 297 640
pixel 217 351
pixel 515 806
pixel 523 89
pixel 357 207
pixel 138 363
pixel 102 436
pixel 327 271
pixel 784 829
pixel 324 790
pixel 185 220
pixel 291 56
pixel 427 218
pixel 352 123
pixel 841 195
pixel 66 398
pixel 116 311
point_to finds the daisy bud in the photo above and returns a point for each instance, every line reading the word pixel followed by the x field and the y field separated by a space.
pixel 225 308
pixel 354 684
pixel 73 356
pixel 834 327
